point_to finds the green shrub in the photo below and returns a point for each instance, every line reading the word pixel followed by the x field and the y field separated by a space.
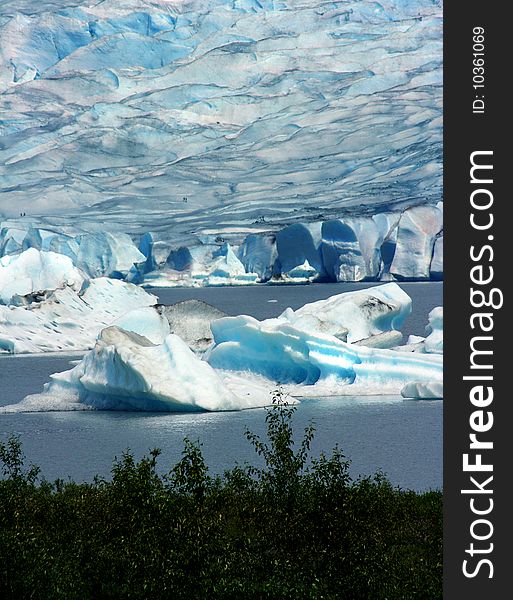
pixel 297 528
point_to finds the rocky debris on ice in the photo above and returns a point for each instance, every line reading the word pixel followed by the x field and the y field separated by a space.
pixel 125 371
pixel 67 318
pixel 29 276
pixel 191 320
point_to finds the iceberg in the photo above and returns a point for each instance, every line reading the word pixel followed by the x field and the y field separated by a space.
pixel 68 319
pixel 190 356
pixel 30 275
pixel 354 316
pixel 434 342
pixel 125 371
pixel 284 354
pixel 430 390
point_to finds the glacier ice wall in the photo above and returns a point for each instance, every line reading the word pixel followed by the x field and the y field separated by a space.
pixel 186 116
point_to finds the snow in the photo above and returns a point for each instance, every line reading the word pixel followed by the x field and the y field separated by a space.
pixel 68 319
pixel 35 272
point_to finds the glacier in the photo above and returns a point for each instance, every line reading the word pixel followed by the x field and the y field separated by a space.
pixel 405 245
pixel 191 118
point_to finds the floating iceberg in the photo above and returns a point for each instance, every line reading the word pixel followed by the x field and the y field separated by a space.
pixel 67 318
pixel 434 343
pixel 281 353
pixel 430 390
pixel 33 273
pixel 125 371
pixel 139 363
pixel 355 315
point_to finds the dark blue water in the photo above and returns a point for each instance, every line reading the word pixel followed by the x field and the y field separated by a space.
pixel 402 438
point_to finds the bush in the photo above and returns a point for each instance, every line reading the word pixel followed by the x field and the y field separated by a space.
pixel 298 528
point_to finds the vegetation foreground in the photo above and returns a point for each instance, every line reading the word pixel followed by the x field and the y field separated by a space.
pixel 298 528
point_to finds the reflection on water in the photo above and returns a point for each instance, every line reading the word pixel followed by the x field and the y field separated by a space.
pixel 403 438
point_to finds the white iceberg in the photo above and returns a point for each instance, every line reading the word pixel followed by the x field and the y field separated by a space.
pixel 426 390
pixel 354 315
pixel 35 272
pixel 69 319
pixel 125 371
pixel 434 342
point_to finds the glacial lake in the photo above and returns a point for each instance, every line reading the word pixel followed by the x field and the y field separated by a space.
pixel 400 437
